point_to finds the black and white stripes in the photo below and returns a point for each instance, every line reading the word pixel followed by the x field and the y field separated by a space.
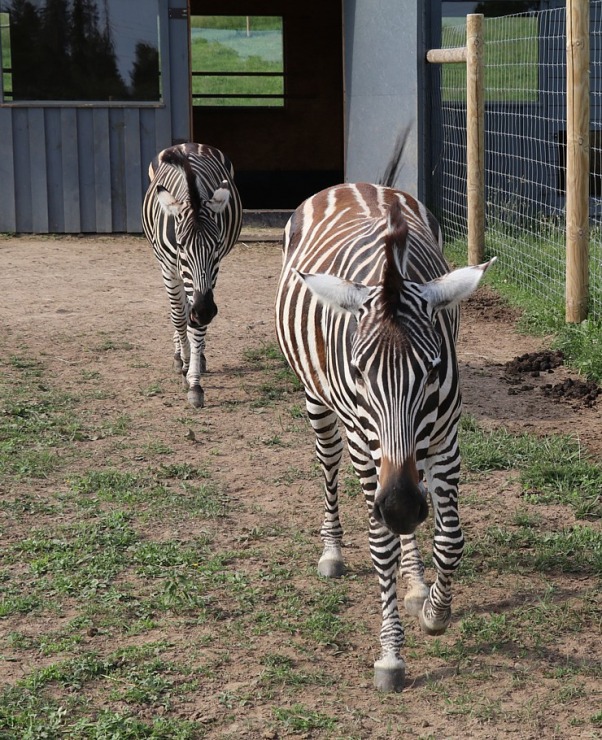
pixel 366 315
pixel 192 217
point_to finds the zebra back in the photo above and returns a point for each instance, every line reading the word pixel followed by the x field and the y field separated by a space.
pixel 192 173
pixel 342 231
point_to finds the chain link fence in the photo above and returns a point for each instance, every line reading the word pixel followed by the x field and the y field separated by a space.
pixel 525 148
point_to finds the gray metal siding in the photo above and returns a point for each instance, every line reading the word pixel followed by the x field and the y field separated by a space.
pixel 70 170
pixel 384 68
pixel 83 168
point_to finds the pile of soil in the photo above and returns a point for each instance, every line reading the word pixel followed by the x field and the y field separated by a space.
pixel 533 364
pixel 585 392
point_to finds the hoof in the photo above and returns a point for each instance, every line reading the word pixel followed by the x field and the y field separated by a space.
pixel 177 363
pixel 414 600
pixel 434 626
pixel 389 674
pixel 331 567
pixel 196 397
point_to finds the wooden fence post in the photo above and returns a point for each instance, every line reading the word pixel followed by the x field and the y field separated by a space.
pixel 473 54
pixel 475 136
pixel 577 160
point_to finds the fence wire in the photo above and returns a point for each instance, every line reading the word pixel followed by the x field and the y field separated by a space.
pixel 525 149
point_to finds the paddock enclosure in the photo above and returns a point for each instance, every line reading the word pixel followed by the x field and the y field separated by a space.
pixel 159 563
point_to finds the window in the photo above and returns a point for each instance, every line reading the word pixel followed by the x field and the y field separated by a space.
pixel 79 50
pixel 237 60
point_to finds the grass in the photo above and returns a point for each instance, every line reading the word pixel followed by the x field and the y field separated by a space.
pixel 511 66
pixel 542 305
pixel 131 592
pixel 552 469
pixel 237 53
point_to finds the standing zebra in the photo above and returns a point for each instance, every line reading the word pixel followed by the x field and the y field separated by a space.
pixel 367 317
pixel 192 217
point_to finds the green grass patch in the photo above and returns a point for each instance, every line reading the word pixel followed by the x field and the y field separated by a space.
pixel 282 382
pixel 50 702
pixel 529 274
pixel 552 469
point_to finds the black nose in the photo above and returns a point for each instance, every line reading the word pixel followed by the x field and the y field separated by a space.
pixel 400 505
pixel 203 309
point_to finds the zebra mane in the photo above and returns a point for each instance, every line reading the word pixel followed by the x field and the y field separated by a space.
pixel 176 158
pixel 395 254
pixel 394 165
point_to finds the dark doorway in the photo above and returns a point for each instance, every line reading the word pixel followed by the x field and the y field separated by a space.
pixel 281 124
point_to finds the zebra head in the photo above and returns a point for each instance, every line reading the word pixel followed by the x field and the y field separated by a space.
pixel 395 364
pixel 196 235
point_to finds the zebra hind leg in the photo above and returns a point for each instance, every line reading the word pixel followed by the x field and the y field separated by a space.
pixel 412 570
pixel 329 449
pixel 448 547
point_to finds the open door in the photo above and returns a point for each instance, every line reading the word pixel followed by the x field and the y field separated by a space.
pixel 267 89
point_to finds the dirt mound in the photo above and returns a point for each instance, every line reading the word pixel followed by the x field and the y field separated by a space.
pixel 533 364
pixel 585 392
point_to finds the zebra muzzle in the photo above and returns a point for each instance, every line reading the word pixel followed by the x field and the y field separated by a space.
pixel 203 309
pixel 400 503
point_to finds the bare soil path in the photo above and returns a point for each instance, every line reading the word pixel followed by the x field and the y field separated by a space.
pixel 94 312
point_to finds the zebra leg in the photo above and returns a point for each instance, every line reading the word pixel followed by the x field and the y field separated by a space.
pixel 178 303
pixel 196 338
pixel 385 549
pixel 412 570
pixel 177 355
pixel 448 546
pixel 329 450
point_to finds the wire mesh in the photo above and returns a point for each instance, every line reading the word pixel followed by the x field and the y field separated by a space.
pixel 525 148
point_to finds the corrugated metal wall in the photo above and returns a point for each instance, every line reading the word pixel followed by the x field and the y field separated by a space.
pixel 83 167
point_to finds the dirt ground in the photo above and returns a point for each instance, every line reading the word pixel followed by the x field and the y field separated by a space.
pixel 61 298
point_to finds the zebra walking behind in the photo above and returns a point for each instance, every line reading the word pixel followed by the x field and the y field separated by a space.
pixel 367 317
pixel 192 216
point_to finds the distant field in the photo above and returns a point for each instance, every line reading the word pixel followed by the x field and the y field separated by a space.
pixel 511 60
pixel 230 45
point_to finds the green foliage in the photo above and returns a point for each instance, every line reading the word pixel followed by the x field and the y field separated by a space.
pixel 582 347
pixel 541 251
pixel 300 719
pixel 551 469
pixel 511 52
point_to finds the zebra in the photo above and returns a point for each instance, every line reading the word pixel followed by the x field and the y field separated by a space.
pixel 192 217
pixel 367 317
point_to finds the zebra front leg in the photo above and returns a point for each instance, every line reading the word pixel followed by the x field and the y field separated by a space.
pixel 329 449
pixel 197 366
pixel 448 546
pixel 389 669
pixel 385 549
pixel 178 305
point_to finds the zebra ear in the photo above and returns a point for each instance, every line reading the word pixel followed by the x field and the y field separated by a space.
pixel 220 198
pixel 455 286
pixel 336 292
pixel 168 203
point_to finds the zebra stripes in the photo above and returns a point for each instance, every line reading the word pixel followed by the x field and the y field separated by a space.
pixel 192 217
pixel 367 317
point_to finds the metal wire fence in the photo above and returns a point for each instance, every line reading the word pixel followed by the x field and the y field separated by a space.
pixel 525 148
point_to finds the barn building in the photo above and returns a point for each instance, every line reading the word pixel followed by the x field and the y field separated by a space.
pixel 92 89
